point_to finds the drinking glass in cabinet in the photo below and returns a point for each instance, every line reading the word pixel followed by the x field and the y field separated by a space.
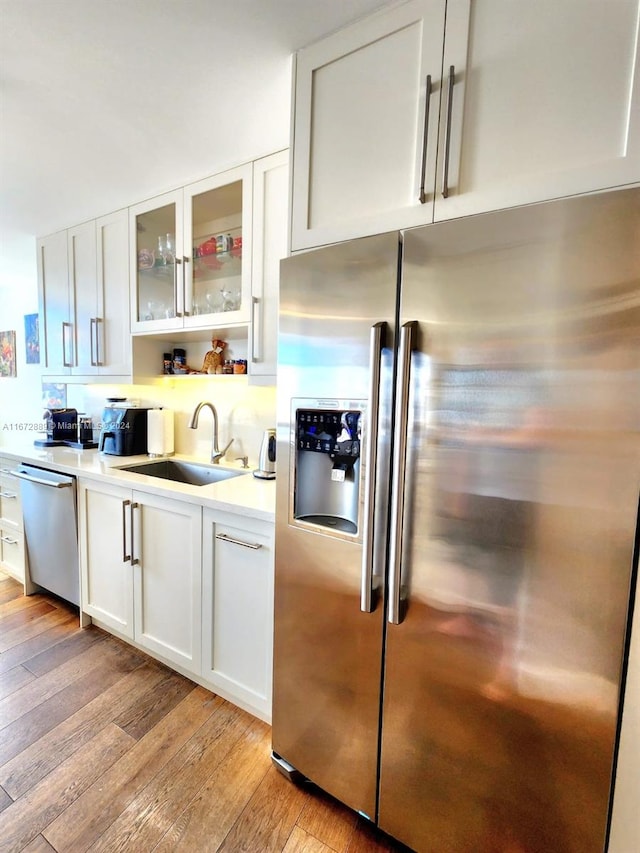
pixel 155 238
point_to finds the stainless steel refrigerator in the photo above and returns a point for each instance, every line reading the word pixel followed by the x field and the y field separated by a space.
pixel 457 506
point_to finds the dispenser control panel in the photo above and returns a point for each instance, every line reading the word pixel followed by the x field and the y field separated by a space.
pixel 328 445
pixel 335 433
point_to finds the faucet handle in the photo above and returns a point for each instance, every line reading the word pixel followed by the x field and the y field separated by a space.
pixel 217 455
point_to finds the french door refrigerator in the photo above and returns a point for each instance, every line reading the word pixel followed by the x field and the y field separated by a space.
pixel 457 506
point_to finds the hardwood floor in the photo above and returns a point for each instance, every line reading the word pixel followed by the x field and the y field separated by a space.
pixel 104 749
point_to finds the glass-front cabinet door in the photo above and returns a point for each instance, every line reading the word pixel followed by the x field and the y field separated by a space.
pixel 187 264
pixel 217 228
pixel 156 263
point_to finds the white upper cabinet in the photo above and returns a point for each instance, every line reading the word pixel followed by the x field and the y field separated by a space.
pixel 545 101
pixel 81 251
pixel 431 110
pixel 358 150
pixel 270 235
pixel 187 255
pixel 112 341
pixel 55 311
pixel 83 288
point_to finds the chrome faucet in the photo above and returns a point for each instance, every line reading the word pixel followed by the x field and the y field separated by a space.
pixel 216 453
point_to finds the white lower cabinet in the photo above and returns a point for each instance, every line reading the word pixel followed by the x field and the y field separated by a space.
pixel 237 609
pixel 192 586
pixel 104 527
pixel 166 551
pixel 12 554
pixel 140 558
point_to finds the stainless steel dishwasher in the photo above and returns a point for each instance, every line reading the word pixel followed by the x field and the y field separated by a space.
pixel 51 530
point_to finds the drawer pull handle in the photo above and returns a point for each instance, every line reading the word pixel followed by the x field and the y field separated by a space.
pixel 12 495
pixel 8 540
pixel 253 545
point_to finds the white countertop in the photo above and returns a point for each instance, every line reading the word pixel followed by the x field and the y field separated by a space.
pixel 244 494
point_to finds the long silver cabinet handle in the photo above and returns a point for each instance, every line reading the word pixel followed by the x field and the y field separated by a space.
pixel 92 335
pixel 134 560
pixel 8 495
pixel 376 343
pixel 407 333
pixel 256 353
pixel 125 557
pixel 66 363
pixel 177 264
pixel 253 545
pixel 185 261
pixel 54 485
pixel 425 137
pixel 8 540
pixel 98 321
pixel 447 136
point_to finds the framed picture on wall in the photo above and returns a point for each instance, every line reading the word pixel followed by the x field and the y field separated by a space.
pixel 54 396
pixel 8 353
pixel 32 338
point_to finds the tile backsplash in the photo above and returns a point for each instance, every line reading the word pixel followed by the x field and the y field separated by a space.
pixel 244 411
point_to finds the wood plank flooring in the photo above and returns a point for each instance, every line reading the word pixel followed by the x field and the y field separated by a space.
pixel 104 749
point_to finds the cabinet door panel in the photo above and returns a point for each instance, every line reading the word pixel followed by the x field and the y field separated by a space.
pixel 167 537
pixel 107 582
pixel 270 210
pixel 238 610
pixel 82 296
pixel 113 341
pixel 53 298
pixel 544 103
pixel 360 101
pixel 156 280
pixel 217 284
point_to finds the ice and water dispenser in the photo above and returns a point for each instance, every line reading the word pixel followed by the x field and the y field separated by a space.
pixel 327 490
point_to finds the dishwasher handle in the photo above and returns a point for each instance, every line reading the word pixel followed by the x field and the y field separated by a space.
pixel 55 484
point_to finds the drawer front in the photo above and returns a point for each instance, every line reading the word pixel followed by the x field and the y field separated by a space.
pixel 12 553
pixel 10 505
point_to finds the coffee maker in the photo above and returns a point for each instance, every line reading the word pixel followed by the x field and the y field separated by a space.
pixel 62 426
pixel 67 427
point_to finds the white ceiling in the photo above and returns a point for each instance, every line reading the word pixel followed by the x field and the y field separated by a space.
pixel 108 102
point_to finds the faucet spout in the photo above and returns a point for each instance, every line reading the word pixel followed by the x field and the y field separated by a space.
pixel 216 453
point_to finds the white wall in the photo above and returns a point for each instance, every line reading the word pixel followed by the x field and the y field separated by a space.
pixel 19 397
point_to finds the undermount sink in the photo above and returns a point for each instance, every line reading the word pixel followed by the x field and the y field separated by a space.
pixel 183 472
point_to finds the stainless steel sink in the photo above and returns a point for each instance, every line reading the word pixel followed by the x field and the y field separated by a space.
pixel 183 472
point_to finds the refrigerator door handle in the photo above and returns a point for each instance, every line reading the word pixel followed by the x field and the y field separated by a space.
pixel 368 599
pixel 407 336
